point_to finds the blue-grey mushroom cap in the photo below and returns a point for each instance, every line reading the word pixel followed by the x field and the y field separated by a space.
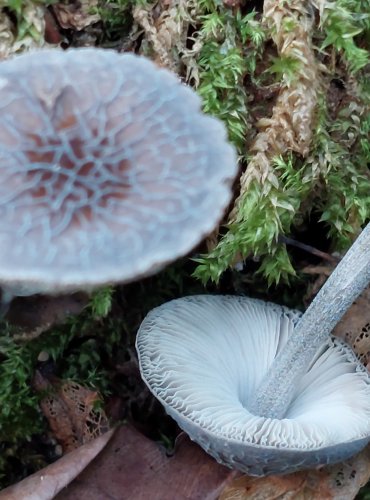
pixel 108 169
pixel 204 357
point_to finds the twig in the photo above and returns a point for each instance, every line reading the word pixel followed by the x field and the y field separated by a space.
pixel 309 249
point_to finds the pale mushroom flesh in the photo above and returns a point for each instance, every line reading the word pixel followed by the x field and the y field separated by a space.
pixel 203 357
pixel 108 170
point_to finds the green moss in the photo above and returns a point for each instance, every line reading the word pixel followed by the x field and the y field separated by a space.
pixel 85 349
pixel 77 349
pixel 341 150
pixel 28 16
pixel 343 21
pixel 116 16
pixel 230 50
pixel 332 181
pixel 101 302
pixel 19 414
pixel 262 216
pixel 284 68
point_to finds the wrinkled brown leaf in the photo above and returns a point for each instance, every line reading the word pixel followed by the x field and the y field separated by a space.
pixel 271 488
pixel 46 483
pixel 132 467
pixel 71 411
pixel 339 482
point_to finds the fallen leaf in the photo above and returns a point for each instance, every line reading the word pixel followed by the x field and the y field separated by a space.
pixel 46 483
pixel 132 467
pixel 35 314
pixel 354 327
pixel 251 488
pixel 52 33
pixel 71 411
pixel 339 482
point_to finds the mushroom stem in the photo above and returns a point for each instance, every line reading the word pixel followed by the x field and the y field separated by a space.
pixel 348 280
pixel 6 298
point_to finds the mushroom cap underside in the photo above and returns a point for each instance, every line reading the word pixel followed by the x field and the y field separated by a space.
pixel 204 357
pixel 108 169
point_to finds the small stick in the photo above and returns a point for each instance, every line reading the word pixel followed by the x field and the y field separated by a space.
pixel 308 248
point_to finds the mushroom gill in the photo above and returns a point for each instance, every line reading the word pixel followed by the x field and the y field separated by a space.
pixel 204 358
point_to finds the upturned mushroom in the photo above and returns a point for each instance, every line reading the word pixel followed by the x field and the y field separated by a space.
pixel 211 361
pixel 108 170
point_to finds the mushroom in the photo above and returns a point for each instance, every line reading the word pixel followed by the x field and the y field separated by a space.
pixel 108 170
pixel 206 358
pixel 348 280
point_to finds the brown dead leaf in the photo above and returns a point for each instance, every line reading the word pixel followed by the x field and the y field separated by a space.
pixel 35 314
pixel 52 32
pixel 271 488
pixel 71 412
pixel 339 482
pixel 46 483
pixel 354 327
pixel 132 467
pixel 77 14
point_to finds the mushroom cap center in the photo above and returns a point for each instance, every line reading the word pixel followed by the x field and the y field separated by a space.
pixel 108 168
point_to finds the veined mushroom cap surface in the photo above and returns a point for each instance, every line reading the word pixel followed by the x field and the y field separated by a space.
pixel 203 357
pixel 108 169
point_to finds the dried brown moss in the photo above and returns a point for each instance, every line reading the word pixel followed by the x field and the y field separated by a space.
pixel 291 124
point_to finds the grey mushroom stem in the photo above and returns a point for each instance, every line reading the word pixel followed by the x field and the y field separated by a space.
pixel 348 280
pixel 6 298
